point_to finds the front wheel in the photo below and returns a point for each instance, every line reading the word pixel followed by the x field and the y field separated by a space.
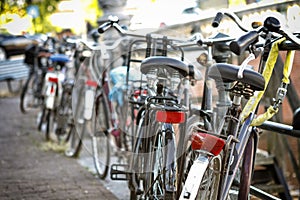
pixel 247 169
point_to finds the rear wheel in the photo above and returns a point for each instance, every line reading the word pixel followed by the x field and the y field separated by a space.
pixel 100 137
pixel 210 182
pixel 140 170
pixel 28 102
pixel 51 123
pixel 41 118
pixel 163 183
pixel 64 117
pixel 209 186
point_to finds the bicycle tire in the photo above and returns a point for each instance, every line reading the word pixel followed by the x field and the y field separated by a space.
pixel 48 125
pixel 76 132
pixel 203 190
pixel 128 127
pixel 163 180
pixel 207 173
pixel 64 117
pixel 100 137
pixel 27 97
pixel 140 162
pixel 74 143
pixel 247 169
pixel 41 118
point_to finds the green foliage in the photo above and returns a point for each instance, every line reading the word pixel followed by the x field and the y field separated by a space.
pixel 41 23
pixel 46 8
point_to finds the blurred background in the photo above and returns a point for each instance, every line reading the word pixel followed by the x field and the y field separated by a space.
pixel 44 16
pixel 23 22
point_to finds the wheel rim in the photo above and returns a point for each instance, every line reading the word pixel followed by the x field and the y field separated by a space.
pixel 101 153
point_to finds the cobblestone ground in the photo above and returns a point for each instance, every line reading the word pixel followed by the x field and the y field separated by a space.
pixel 29 172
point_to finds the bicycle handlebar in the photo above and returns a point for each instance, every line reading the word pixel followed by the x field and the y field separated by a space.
pixel 231 15
pixel 241 44
pixel 113 22
pixel 271 25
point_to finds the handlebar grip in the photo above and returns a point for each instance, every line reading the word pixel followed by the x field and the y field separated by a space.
pixel 217 20
pixel 104 27
pixel 241 44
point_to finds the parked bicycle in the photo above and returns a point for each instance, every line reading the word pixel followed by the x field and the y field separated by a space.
pixel 95 114
pixel 161 99
pixel 55 115
pixel 225 156
pixel 36 57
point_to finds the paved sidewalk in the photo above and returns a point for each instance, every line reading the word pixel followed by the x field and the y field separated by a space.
pixel 29 172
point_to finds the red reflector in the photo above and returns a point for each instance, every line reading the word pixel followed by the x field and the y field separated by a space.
pixel 53 79
pixel 52 89
pixel 139 92
pixel 170 116
pixel 50 69
pixel 91 83
pixel 207 142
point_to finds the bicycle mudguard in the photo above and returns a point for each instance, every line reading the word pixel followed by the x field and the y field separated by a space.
pixel 51 83
pixel 88 104
pixel 194 179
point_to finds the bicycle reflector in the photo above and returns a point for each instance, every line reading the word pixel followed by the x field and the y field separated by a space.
pixel 53 79
pixel 170 116
pixel 137 93
pixel 91 83
pixel 207 142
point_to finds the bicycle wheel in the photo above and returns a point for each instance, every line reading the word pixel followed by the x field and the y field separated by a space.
pixel 140 170
pixel 74 143
pixel 64 117
pixel 28 101
pixel 128 127
pixel 41 118
pixel 163 180
pixel 201 170
pixel 51 123
pixel 100 137
pixel 247 169
pixel 77 129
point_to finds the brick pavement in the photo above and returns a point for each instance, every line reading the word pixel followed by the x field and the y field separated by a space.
pixel 28 172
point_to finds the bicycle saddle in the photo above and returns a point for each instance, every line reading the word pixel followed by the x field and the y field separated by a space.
pixel 157 62
pixel 229 73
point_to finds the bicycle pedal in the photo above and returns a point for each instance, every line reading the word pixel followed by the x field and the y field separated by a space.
pixel 119 172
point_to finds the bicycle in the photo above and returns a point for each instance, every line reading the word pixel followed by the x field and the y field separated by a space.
pixel 147 177
pixel 220 152
pixel 55 81
pixel 31 95
pixel 93 110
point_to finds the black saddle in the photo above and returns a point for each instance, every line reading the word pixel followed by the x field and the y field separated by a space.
pixel 160 62
pixel 229 73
